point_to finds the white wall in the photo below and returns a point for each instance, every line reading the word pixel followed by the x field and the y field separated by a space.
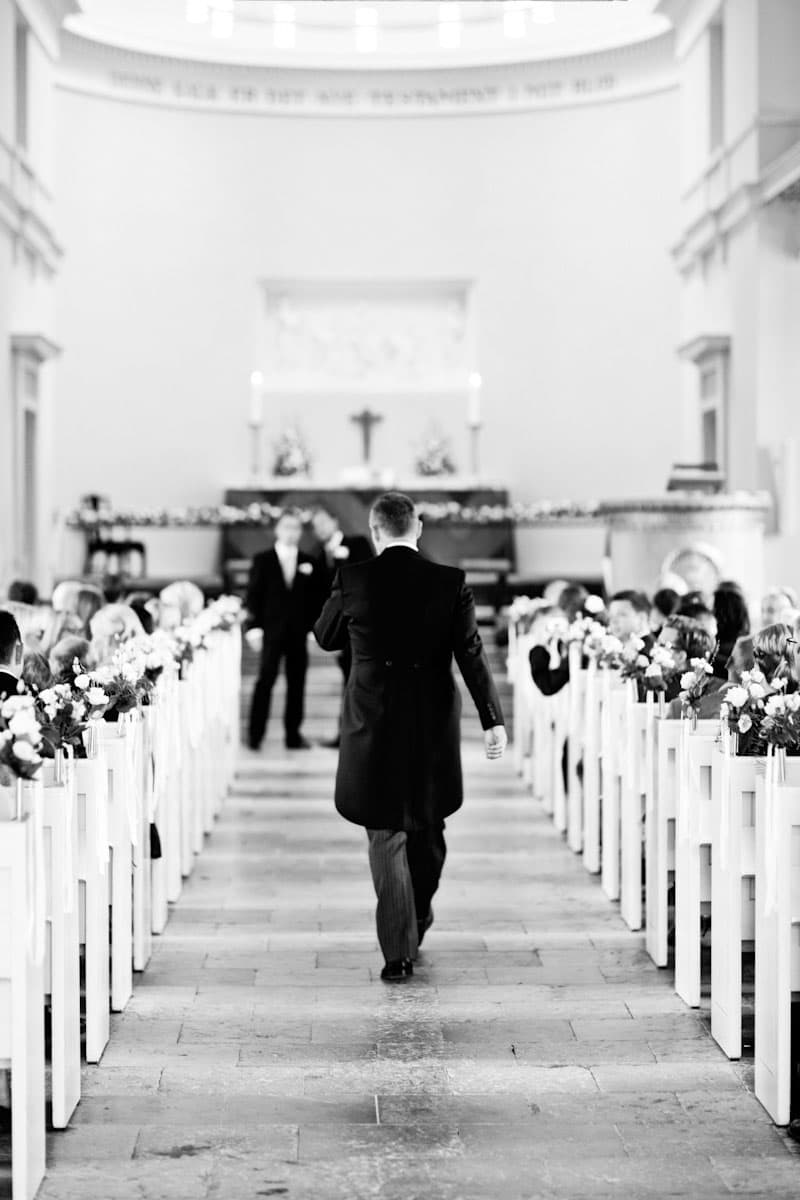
pixel 563 217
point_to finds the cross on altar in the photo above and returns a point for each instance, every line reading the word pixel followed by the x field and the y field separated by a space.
pixel 367 420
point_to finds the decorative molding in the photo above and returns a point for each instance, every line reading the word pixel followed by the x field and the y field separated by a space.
pixel 34 345
pixel 123 75
pixel 703 346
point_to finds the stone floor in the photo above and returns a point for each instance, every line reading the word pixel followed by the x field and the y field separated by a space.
pixel 535 1053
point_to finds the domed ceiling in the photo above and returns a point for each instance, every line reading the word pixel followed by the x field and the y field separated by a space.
pixel 326 34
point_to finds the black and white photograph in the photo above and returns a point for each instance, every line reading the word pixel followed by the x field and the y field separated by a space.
pixel 399 599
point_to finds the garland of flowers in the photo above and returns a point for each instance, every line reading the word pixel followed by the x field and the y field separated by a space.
pixel 694 685
pixel 261 514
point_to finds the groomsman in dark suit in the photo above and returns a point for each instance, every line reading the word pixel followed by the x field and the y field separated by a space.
pixel 337 549
pixel 11 654
pixel 283 601
pixel 399 774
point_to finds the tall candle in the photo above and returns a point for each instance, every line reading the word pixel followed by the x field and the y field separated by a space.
pixel 474 401
pixel 256 398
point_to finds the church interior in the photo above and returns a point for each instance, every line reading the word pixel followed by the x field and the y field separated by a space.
pixel 534 264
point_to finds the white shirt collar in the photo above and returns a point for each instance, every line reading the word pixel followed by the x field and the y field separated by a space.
pixel 407 543
pixel 285 553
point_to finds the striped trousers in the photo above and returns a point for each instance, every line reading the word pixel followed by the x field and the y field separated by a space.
pixel 406 868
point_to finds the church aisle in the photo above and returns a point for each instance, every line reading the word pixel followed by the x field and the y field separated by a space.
pixel 536 1052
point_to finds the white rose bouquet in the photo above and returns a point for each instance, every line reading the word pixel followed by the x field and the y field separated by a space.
pixel 634 661
pixel 781 725
pixel 694 685
pixel 743 711
pixel 20 739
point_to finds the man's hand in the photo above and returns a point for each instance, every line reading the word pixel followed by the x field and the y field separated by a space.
pixel 255 639
pixel 495 740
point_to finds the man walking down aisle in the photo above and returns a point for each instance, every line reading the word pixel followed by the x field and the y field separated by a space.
pixel 399 773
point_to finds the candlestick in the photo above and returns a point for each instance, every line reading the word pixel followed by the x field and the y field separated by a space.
pixel 256 398
pixel 474 400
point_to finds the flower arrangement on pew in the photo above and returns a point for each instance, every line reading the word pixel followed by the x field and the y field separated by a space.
pixel 634 661
pixel 124 681
pixel 20 740
pixel 521 612
pixel 780 727
pixel 742 713
pixel 661 670
pixel 694 685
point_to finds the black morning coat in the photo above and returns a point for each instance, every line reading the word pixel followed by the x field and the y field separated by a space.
pixel 284 613
pixel 406 619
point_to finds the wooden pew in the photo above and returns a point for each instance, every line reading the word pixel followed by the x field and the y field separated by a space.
pixel 693 826
pixel 591 770
pixel 777 903
pixel 62 950
pixel 124 837
pixel 660 838
pixel 91 787
pixel 636 785
pixel 21 982
pixel 575 740
pixel 612 766
pixel 733 791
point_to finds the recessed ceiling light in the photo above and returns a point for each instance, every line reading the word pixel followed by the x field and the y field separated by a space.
pixel 450 24
pixel 366 29
pixel 543 12
pixel 285 31
pixel 197 12
pixel 515 23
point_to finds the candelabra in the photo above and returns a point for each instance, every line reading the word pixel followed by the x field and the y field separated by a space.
pixel 475 426
pixel 256 446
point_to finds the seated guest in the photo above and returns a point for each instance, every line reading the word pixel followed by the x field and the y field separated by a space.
pixel 742 659
pixel 11 655
pixel 112 625
pixel 23 592
pixel 685 639
pixel 628 613
pixel 733 622
pixel 146 609
pixel 778 606
pixel 182 598
pixel 63 655
pixel 549 659
pixel 773 650
pixel 571 601
pixel 36 673
pixel 32 622
pixel 554 589
pixel 89 601
pixel 665 604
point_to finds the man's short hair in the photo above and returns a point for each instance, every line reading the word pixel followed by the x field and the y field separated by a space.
pixel 10 636
pixel 395 514
pixel 638 601
pixel 23 592
pixel 692 638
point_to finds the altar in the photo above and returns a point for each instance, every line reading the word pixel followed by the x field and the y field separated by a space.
pixel 450 543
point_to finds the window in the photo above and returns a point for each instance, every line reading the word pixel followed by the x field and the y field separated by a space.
pixel 716 87
pixel 710 355
pixel 21 82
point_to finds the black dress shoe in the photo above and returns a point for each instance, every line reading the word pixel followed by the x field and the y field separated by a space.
pixel 297 743
pixel 424 926
pixel 254 746
pixel 333 743
pixel 394 972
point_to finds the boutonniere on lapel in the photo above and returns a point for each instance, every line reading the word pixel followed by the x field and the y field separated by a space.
pixel 341 552
pixel 305 568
